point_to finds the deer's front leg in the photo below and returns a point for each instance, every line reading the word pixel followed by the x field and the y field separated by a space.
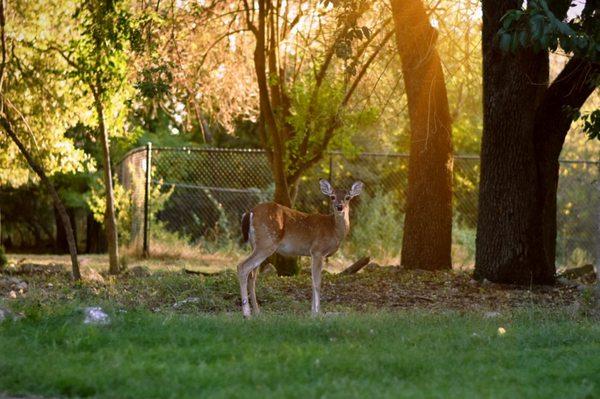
pixel 317 264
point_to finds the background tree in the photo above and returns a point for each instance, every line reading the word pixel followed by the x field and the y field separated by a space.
pixel 99 59
pixel 427 238
pixel 526 120
pixel 11 116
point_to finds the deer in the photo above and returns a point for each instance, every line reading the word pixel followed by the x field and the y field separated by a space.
pixel 274 228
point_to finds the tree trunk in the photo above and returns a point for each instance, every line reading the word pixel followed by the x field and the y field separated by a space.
pixel 110 219
pixel 427 237
pixel 64 217
pixel 567 92
pixel 509 247
pixel 525 124
pixel 61 241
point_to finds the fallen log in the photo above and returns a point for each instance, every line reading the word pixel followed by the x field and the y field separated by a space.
pixel 197 272
pixel 577 272
pixel 356 266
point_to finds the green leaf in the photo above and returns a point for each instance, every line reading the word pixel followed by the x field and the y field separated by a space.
pixel 504 43
pixel 523 38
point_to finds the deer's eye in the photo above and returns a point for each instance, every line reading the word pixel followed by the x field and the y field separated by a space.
pixel 333 197
pixel 347 198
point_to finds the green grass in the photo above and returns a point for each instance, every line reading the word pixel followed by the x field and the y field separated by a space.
pixel 406 354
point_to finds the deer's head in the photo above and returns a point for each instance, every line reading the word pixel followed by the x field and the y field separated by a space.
pixel 340 198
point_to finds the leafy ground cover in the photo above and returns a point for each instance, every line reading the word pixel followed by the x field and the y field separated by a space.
pixel 386 332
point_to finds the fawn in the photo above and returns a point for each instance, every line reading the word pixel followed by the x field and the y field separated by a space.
pixel 273 228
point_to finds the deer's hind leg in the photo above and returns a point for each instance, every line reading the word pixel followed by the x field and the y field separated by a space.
pixel 252 288
pixel 244 270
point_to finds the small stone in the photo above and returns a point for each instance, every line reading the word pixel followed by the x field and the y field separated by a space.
pixel 5 314
pixel 22 286
pixel 12 294
pixel 50 285
pixel 95 315
pixel 491 315
pixel 179 304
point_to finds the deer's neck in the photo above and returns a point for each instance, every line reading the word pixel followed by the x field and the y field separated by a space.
pixel 342 223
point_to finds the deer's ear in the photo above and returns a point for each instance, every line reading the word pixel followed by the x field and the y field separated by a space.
pixel 325 187
pixel 356 188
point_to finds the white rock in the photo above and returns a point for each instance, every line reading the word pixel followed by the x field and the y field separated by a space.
pixel 179 304
pixel 95 315
pixel 5 314
pixel 491 315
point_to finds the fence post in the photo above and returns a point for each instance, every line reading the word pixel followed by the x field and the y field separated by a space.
pixel 146 246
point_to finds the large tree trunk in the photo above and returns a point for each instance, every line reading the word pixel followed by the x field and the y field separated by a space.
pixel 64 217
pixel 525 124
pixel 569 91
pixel 427 236
pixel 110 219
pixel 509 229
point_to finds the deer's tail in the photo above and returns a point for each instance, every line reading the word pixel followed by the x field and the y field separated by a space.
pixel 245 225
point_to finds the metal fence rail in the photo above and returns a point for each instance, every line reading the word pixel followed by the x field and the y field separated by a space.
pixel 198 195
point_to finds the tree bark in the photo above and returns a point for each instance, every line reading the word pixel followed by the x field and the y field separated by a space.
pixel 568 91
pixel 525 125
pixel 427 236
pixel 64 217
pixel 110 219
pixel 508 244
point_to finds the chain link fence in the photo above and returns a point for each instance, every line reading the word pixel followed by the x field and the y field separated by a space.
pixel 196 197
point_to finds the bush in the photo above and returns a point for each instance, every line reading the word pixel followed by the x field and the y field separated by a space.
pixel 377 229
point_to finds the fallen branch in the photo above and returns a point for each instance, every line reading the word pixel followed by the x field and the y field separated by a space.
pixel 188 271
pixel 577 272
pixel 356 266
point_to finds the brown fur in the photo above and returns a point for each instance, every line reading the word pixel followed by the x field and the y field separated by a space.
pixel 273 228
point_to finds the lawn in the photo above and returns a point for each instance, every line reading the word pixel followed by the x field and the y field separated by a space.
pixel 386 332
pixel 415 353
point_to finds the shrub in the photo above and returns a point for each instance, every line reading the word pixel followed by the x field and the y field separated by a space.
pixel 377 229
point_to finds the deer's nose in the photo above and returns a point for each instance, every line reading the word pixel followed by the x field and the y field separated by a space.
pixel 339 207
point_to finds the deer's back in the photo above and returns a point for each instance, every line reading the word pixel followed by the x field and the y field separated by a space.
pixel 294 233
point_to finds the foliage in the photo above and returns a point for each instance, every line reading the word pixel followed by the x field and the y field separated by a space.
pixel 96 200
pixel 591 124
pixel 463 244
pixel 35 84
pixel 128 204
pixel 100 52
pixel 539 27
pixel 377 228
